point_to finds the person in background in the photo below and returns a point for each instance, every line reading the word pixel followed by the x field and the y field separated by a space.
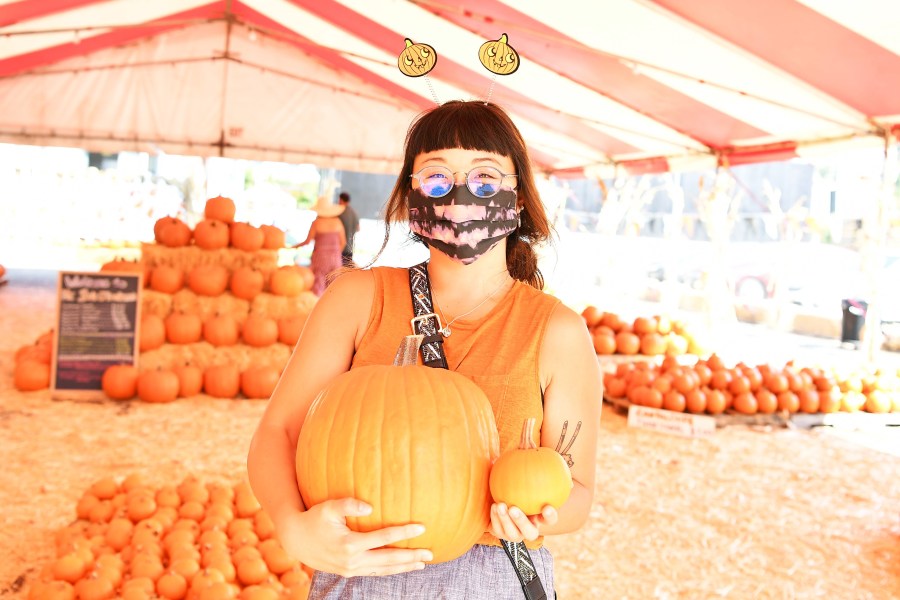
pixel 328 237
pixel 351 225
pixel 467 190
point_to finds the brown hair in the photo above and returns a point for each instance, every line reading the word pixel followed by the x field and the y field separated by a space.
pixel 477 125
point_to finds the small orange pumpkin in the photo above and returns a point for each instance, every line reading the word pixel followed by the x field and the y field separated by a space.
pixel 530 477
pixel 259 382
pixel 166 279
pixel 289 328
pixel 212 234
pixel 31 375
pixel 119 382
pixel 259 330
pixel 287 281
pixel 498 56
pixel 246 283
pixel 222 381
pixel 245 236
pixel 183 328
pixel 208 280
pixel 159 386
pixel 174 233
pixel 416 59
pixel 220 208
pixel 152 333
pixel 221 330
pixel 274 237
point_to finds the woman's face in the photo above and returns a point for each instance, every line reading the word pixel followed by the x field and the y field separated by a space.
pixel 461 161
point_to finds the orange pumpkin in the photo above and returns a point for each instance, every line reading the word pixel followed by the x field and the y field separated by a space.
pixel 119 382
pixel 287 281
pixel 222 381
pixel 174 233
pixel 37 352
pixel 416 59
pixel 160 223
pixel 627 343
pixel 245 236
pixel 152 333
pixel 289 328
pixel 530 477
pixel 208 280
pixel 220 208
pixel 31 375
pixel 221 330
pixel 274 237
pixel 259 331
pixel 166 279
pixel 246 283
pixel 259 382
pixel 183 328
pixel 438 417
pixel 159 386
pixel 212 234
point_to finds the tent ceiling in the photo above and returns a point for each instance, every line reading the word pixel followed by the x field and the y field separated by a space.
pixel 644 85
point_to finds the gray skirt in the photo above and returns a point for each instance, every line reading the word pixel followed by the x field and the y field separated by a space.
pixel 484 572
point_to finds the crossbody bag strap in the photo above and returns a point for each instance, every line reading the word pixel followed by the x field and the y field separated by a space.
pixel 425 322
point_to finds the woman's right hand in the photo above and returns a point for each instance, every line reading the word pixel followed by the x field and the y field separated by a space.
pixel 319 537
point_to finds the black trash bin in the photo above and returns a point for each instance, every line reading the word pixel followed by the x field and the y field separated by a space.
pixel 853 319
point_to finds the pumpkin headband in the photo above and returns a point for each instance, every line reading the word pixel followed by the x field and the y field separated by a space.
pixel 497 56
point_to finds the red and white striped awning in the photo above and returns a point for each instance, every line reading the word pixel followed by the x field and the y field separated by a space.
pixel 644 85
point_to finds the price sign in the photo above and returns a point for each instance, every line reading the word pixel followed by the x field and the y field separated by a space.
pixel 97 327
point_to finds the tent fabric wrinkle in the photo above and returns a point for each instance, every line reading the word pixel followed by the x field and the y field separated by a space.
pixel 604 87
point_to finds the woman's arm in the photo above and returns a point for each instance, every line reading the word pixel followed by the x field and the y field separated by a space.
pixel 573 392
pixel 310 235
pixel 319 536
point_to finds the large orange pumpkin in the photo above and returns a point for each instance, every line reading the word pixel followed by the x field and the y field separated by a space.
pixel 30 375
pixel 530 476
pixel 160 386
pixel 119 382
pixel 414 442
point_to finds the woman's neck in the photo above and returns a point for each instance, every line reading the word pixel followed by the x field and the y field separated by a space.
pixel 457 287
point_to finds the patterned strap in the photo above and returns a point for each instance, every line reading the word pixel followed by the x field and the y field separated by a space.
pixel 427 323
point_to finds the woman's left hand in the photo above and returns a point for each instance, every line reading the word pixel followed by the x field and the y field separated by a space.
pixel 511 524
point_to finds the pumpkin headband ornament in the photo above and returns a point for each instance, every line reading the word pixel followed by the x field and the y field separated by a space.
pixel 497 56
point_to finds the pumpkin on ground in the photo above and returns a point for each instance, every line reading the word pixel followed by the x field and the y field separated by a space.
pixel 190 380
pixel 530 476
pixel 222 382
pixel 159 386
pixel 31 375
pixel 119 382
pixel 423 438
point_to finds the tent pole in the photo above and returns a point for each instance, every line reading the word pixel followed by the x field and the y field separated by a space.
pixel 874 256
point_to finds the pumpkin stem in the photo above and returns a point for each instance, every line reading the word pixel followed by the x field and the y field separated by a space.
pixel 408 352
pixel 527 441
pixel 408 42
pixel 503 39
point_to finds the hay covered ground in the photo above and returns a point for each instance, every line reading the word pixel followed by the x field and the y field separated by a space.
pixel 744 514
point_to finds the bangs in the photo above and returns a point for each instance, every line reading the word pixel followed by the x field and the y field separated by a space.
pixel 467 125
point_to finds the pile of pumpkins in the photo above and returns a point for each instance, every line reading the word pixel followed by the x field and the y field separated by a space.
pixel 657 335
pixel 710 386
pixel 31 371
pixel 194 539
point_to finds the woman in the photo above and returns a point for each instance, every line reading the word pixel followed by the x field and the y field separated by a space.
pixel 467 189
pixel 327 233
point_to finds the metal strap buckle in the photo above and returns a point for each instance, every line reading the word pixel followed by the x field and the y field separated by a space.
pixel 423 318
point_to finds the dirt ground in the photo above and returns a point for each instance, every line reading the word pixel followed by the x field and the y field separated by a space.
pixel 746 513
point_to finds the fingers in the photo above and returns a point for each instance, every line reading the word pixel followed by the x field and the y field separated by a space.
pixel 337 510
pixel 360 542
pixel 386 561
pixel 512 524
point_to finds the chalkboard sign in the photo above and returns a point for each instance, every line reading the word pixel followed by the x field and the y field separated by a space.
pixel 96 327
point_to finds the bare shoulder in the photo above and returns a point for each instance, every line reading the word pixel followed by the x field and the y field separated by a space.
pixel 565 327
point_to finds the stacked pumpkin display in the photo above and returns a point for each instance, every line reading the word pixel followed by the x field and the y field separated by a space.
pixel 219 315
pixel 657 335
pixel 191 540
pixel 711 387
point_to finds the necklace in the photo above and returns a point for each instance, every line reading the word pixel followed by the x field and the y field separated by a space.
pixel 445 330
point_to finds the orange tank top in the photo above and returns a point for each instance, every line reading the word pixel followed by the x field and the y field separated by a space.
pixel 499 352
